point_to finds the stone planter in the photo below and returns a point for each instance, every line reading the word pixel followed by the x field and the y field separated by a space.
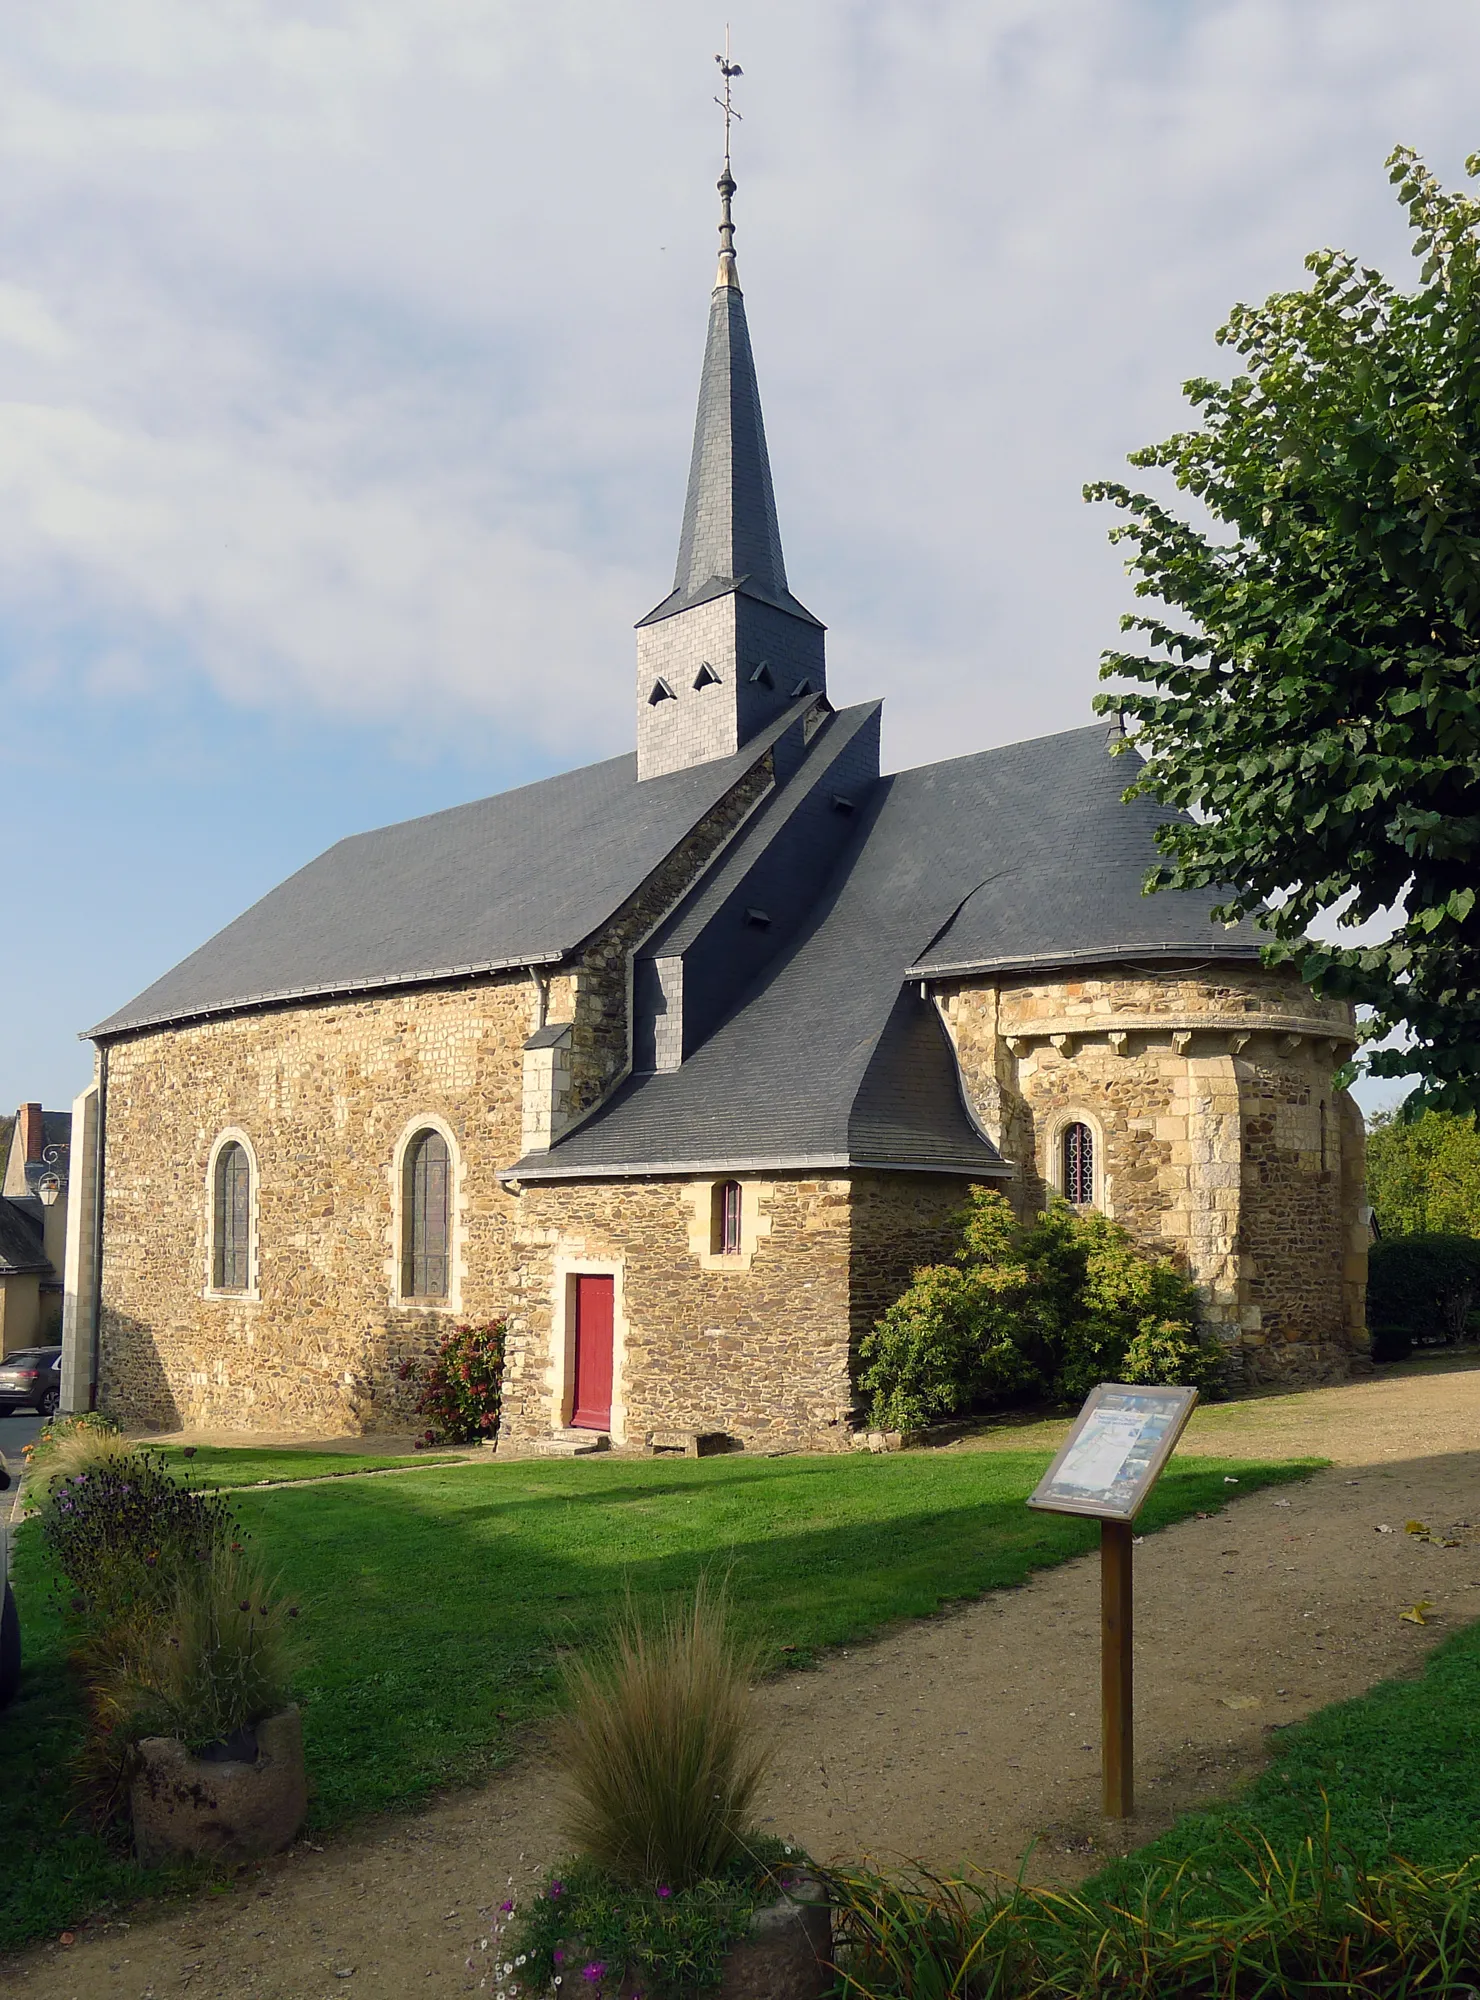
pixel 788 1953
pixel 236 1806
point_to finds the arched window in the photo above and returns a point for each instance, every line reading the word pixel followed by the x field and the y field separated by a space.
pixel 725 1221
pixel 1078 1164
pixel 231 1253
pixel 426 1231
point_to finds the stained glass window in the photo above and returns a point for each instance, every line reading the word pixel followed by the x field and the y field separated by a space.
pixel 1079 1165
pixel 232 1255
pixel 426 1229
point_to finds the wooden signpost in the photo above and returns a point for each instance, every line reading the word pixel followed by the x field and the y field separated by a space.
pixel 1109 1462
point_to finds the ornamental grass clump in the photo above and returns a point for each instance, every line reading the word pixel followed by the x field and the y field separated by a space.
pixel 660 1748
pixel 1278 1926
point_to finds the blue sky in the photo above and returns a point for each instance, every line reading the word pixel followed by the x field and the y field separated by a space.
pixel 348 353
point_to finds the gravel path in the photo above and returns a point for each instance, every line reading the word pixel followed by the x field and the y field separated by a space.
pixel 959 1739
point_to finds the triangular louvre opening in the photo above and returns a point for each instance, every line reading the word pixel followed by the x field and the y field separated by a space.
pixel 763 677
pixel 661 692
pixel 706 676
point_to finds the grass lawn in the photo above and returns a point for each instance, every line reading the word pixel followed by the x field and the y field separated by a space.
pixel 438 1606
pixel 1397 1770
pixel 224 1465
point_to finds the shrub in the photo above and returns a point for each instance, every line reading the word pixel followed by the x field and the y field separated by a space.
pixel 124 1533
pixel 660 1749
pixel 1048 1308
pixel 1423 1174
pixel 1421 1288
pixel 462 1386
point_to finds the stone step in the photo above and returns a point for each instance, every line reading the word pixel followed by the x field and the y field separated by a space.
pixel 572 1444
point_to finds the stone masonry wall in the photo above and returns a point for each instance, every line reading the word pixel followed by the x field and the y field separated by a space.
pixel 1218 1136
pixel 899 1222
pixel 757 1349
pixel 323 1094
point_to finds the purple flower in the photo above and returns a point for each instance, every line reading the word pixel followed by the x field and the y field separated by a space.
pixel 557 1888
pixel 506 1907
pixel 559 1957
pixel 664 1891
pixel 594 1971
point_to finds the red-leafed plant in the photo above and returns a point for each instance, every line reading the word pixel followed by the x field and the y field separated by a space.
pixel 462 1386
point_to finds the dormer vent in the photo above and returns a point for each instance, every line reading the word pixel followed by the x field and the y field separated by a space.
pixel 763 677
pixel 759 920
pixel 706 676
pixel 801 688
pixel 842 804
pixel 661 692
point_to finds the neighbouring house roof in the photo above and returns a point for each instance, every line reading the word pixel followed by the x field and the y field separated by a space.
pixel 21 1176
pixel 517 879
pixel 832 1057
pixel 20 1242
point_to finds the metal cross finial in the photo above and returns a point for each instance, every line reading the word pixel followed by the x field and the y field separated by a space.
pixel 727 272
pixel 727 69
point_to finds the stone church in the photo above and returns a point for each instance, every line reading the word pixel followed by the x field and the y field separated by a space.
pixel 683 1061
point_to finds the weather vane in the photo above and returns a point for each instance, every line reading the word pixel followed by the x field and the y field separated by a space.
pixel 727 69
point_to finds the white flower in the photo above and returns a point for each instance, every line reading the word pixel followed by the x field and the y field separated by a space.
pixel 521 1958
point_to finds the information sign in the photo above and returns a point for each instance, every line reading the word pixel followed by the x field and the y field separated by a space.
pixel 1109 1462
pixel 1114 1455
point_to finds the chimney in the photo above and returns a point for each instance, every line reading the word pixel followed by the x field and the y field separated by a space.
pixel 29 1120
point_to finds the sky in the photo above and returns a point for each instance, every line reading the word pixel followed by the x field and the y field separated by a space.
pixel 348 358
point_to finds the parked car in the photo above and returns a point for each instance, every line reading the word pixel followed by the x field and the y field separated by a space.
pixel 31 1379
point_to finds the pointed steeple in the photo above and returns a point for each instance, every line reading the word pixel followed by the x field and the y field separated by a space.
pixel 754 647
pixel 730 537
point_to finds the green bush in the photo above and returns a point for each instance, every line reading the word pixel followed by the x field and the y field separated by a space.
pixel 1423 1174
pixel 1045 1308
pixel 462 1386
pixel 1421 1288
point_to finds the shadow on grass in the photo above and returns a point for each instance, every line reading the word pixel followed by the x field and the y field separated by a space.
pixel 438 1609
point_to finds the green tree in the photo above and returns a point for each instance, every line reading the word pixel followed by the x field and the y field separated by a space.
pixel 1311 684
pixel 1423 1175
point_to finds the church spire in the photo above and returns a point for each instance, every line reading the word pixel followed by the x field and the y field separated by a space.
pixel 755 647
pixel 730 533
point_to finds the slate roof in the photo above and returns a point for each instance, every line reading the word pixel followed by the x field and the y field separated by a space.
pixel 1064 861
pixel 832 1058
pixel 20 1242
pixel 517 879
pixel 730 539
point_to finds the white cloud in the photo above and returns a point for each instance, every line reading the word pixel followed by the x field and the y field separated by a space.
pixel 350 349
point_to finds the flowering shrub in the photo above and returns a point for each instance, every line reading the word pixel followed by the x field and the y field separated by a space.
pixel 590 1933
pixel 1045 1308
pixel 462 1388
pixel 123 1532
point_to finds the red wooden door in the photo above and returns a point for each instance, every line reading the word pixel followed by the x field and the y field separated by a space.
pixel 593 1399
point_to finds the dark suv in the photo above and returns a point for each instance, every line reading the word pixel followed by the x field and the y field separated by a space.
pixel 31 1378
